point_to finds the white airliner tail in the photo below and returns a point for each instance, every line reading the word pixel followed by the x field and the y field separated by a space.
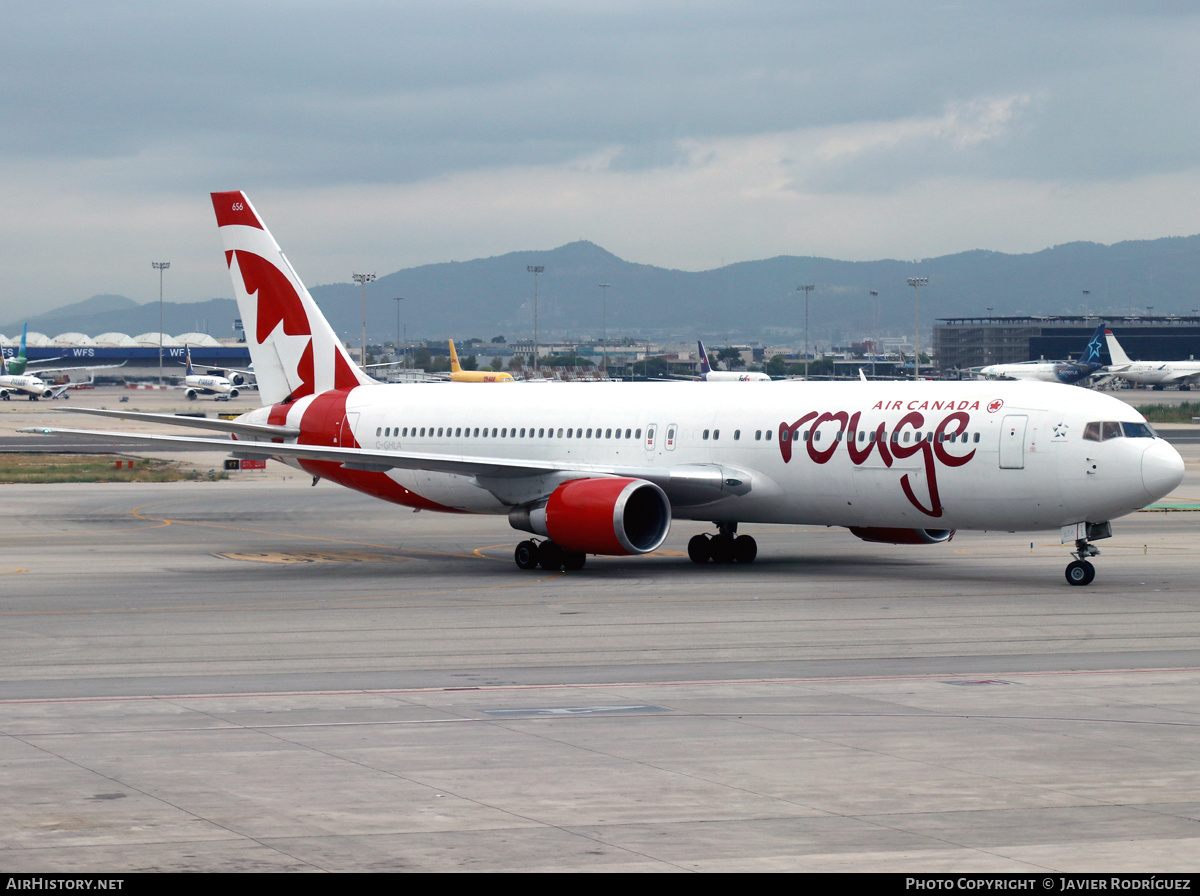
pixel 294 350
pixel 1119 358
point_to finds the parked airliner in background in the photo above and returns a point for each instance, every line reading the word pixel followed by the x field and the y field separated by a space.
pixel 27 385
pixel 1068 372
pixel 1183 374
pixel 458 375
pixel 16 364
pixel 725 376
pixel 603 468
pixel 210 383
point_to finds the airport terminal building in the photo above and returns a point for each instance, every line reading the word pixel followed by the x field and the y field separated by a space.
pixel 139 354
pixel 964 342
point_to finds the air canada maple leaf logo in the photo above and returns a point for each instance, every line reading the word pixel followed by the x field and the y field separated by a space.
pixel 994 405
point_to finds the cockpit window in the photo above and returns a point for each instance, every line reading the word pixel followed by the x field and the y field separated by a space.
pixel 1139 431
pixel 1102 431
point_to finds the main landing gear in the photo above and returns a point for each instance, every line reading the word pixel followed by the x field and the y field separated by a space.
pixel 549 556
pixel 1080 571
pixel 724 547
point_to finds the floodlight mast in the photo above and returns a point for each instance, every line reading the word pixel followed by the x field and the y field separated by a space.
pixel 362 280
pixel 916 283
pixel 535 269
pixel 160 266
pixel 807 290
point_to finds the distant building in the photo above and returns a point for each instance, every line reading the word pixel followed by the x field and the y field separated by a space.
pixel 962 342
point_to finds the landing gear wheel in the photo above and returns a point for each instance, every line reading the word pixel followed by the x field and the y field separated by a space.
pixel 574 559
pixel 1080 572
pixel 745 549
pixel 550 556
pixel 698 549
pixel 721 548
pixel 526 555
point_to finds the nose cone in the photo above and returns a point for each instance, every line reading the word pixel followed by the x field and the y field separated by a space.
pixel 1162 469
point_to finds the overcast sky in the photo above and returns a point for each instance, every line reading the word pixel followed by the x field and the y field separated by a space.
pixel 380 135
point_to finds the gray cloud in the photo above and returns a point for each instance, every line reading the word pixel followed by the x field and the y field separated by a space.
pixel 173 100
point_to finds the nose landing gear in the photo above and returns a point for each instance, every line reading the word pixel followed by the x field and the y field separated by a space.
pixel 1080 571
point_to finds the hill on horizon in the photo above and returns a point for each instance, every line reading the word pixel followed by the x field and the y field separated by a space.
pixel 739 302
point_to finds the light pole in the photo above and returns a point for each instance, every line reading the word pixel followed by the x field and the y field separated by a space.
pixel 1087 303
pixel 535 269
pixel 916 283
pixel 398 300
pixel 874 328
pixel 604 321
pixel 806 290
pixel 160 266
pixel 362 280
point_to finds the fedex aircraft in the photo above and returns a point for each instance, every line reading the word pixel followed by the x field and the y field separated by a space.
pixel 1069 372
pixel 725 376
pixel 603 468
pixel 1183 374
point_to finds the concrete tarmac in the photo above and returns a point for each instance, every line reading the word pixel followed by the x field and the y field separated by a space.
pixel 257 674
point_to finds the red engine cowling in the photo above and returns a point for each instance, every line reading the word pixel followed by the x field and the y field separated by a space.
pixel 601 516
pixel 889 535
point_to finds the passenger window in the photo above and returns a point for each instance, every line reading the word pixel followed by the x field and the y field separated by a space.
pixel 784 435
pixel 758 435
pixel 541 432
pixel 627 433
pixel 737 435
pixel 637 433
pixel 608 433
pixel 716 434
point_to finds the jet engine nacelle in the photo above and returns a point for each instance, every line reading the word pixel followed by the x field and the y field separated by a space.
pixel 233 393
pixel 600 516
pixel 191 394
pixel 889 535
pixel 237 379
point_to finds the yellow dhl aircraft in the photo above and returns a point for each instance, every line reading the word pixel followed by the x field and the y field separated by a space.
pixel 458 375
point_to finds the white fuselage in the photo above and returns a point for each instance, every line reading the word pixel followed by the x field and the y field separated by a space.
pixel 972 455
pixel 1035 371
pixel 732 376
pixel 1160 373
pixel 206 384
pixel 24 385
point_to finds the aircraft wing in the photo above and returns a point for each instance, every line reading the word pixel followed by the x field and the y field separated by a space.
pixel 42 371
pixel 688 484
pixel 251 430
pixel 1182 378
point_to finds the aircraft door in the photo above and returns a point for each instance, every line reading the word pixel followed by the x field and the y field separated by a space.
pixel 672 436
pixel 1012 442
pixel 349 422
pixel 651 432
